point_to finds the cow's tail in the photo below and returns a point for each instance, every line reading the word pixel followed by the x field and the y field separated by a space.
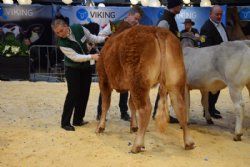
pixel 248 88
pixel 162 115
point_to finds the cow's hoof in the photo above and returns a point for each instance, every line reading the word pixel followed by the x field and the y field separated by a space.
pixel 100 130
pixel 133 129
pixel 210 122
pixel 237 137
pixel 138 149
pixel 189 146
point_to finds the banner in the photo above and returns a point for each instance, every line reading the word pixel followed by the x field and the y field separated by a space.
pixel 199 16
pixel 102 16
pixel 28 22
pixel 244 13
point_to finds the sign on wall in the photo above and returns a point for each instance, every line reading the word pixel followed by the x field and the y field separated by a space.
pixel 27 22
pixel 244 13
pixel 102 16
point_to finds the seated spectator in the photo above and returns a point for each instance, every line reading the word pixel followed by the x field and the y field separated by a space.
pixel 188 28
pixel 188 23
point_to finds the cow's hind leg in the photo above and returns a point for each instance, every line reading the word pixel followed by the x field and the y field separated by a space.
pixel 178 102
pixel 204 102
pixel 236 97
pixel 106 98
pixel 143 106
pixel 133 121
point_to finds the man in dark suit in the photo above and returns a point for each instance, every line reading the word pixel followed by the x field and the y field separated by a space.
pixel 215 33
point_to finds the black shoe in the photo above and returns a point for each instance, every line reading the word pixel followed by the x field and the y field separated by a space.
pixel 125 117
pixel 173 120
pixel 68 128
pixel 216 116
pixel 81 123
pixel 216 112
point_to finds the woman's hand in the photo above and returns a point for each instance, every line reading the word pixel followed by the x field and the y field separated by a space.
pixel 95 56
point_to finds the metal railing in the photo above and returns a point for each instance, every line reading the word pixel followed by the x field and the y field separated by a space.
pixel 46 63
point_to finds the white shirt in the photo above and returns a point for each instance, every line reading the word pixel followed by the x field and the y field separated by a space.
pixel 106 31
pixel 221 30
pixel 163 24
pixel 76 57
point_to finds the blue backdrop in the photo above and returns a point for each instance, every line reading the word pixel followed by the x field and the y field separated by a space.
pixel 102 15
pixel 82 14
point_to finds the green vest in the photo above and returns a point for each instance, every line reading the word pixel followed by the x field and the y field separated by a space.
pixel 78 47
pixel 114 25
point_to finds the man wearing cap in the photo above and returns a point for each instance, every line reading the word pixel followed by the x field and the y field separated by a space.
pixel 215 33
pixel 168 21
pixel 188 23
pixel 168 18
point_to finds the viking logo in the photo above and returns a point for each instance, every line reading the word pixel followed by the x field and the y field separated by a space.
pixel 245 14
pixel 82 14
pixel 2 13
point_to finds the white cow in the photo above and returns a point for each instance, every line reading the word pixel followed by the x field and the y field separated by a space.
pixel 213 68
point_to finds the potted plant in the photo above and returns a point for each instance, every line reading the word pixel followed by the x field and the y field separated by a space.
pixel 14 58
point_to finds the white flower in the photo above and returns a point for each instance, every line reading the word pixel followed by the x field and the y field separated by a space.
pixel 7 47
pixel 15 49
pixel 8 55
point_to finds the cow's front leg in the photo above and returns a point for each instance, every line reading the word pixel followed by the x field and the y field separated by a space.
pixel 133 121
pixel 204 102
pixel 236 97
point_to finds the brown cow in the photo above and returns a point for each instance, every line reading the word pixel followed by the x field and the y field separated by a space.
pixel 136 60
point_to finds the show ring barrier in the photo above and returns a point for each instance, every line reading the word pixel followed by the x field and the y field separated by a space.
pixel 46 63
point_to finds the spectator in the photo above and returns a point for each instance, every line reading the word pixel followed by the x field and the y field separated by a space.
pixel 168 21
pixel 188 28
pixel 215 33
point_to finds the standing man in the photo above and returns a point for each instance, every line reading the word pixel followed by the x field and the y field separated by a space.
pixel 72 41
pixel 168 21
pixel 215 33
pixel 133 18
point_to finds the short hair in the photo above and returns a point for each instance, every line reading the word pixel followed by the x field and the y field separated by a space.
pixel 136 9
pixel 58 22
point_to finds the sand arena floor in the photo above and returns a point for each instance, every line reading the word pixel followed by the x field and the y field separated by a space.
pixel 30 133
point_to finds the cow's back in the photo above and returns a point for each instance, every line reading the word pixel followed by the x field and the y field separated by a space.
pixel 215 66
pixel 136 50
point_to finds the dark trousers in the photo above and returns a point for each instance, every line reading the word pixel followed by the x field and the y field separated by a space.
pixel 123 103
pixel 156 104
pixel 78 82
pixel 212 99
